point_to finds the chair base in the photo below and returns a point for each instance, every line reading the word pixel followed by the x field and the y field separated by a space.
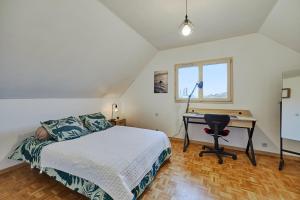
pixel 220 153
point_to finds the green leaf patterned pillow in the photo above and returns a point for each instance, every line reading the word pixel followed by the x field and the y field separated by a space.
pixel 65 129
pixel 98 115
pixel 95 122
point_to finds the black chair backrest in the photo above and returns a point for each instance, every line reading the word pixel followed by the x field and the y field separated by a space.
pixel 218 122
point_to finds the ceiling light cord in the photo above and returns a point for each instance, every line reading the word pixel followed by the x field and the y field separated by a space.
pixel 186 8
pixel 186 16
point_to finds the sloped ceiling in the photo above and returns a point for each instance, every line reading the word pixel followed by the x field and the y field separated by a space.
pixel 67 49
pixel 283 24
pixel 80 49
pixel 158 20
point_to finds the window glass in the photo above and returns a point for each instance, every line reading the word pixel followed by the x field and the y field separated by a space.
pixel 215 81
pixel 187 78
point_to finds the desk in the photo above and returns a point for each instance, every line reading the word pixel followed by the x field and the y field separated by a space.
pixel 238 119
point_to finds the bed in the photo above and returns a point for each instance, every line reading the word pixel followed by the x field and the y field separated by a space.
pixel 116 163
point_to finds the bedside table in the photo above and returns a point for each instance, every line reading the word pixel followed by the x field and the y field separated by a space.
pixel 119 122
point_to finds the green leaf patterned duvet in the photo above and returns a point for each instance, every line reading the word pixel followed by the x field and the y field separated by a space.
pixel 30 150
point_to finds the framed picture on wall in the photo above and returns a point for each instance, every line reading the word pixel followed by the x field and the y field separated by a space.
pixel 286 93
pixel 161 82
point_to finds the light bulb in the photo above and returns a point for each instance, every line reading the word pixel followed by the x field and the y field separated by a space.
pixel 186 30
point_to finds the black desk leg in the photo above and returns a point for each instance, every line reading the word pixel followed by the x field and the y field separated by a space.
pixel 281 163
pixel 251 156
pixel 186 135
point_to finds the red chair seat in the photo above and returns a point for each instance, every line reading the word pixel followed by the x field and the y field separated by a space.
pixel 222 133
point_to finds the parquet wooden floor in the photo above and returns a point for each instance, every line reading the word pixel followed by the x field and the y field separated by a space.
pixel 186 177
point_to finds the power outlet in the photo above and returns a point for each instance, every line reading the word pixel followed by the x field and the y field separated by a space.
pixel 264 144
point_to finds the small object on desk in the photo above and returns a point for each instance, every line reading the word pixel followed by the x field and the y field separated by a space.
pixel 118 122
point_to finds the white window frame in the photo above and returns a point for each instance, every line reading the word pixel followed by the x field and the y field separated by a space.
pixel 200 64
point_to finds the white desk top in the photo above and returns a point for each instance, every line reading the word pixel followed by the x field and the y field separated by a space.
pixel 201 116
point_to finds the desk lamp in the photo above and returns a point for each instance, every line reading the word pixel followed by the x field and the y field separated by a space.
pixel 200 86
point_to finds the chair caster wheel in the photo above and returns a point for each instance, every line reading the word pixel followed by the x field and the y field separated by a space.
pixel 200 154
pixel 234 157
pixel 220 161
pixel 203 147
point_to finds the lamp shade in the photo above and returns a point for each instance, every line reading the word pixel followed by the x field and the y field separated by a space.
pixel 200 85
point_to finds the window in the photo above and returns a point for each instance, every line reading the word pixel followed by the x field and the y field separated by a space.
pixel 216 76
pixel 187 77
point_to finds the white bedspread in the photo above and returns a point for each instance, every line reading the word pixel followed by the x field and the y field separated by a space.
pixel 116 159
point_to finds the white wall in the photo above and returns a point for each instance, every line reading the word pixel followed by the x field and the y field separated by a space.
pixel 67 49
pixel 20 117
pixel 258 64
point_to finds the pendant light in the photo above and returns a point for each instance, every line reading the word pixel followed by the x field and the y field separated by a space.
pixel 186 28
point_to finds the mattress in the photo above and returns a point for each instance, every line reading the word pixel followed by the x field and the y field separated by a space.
pixel 131 138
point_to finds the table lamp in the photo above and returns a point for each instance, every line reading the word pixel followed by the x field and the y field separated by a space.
pixel 200 86
pixel 114 109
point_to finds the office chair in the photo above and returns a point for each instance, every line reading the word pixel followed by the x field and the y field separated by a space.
pixel 217 124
